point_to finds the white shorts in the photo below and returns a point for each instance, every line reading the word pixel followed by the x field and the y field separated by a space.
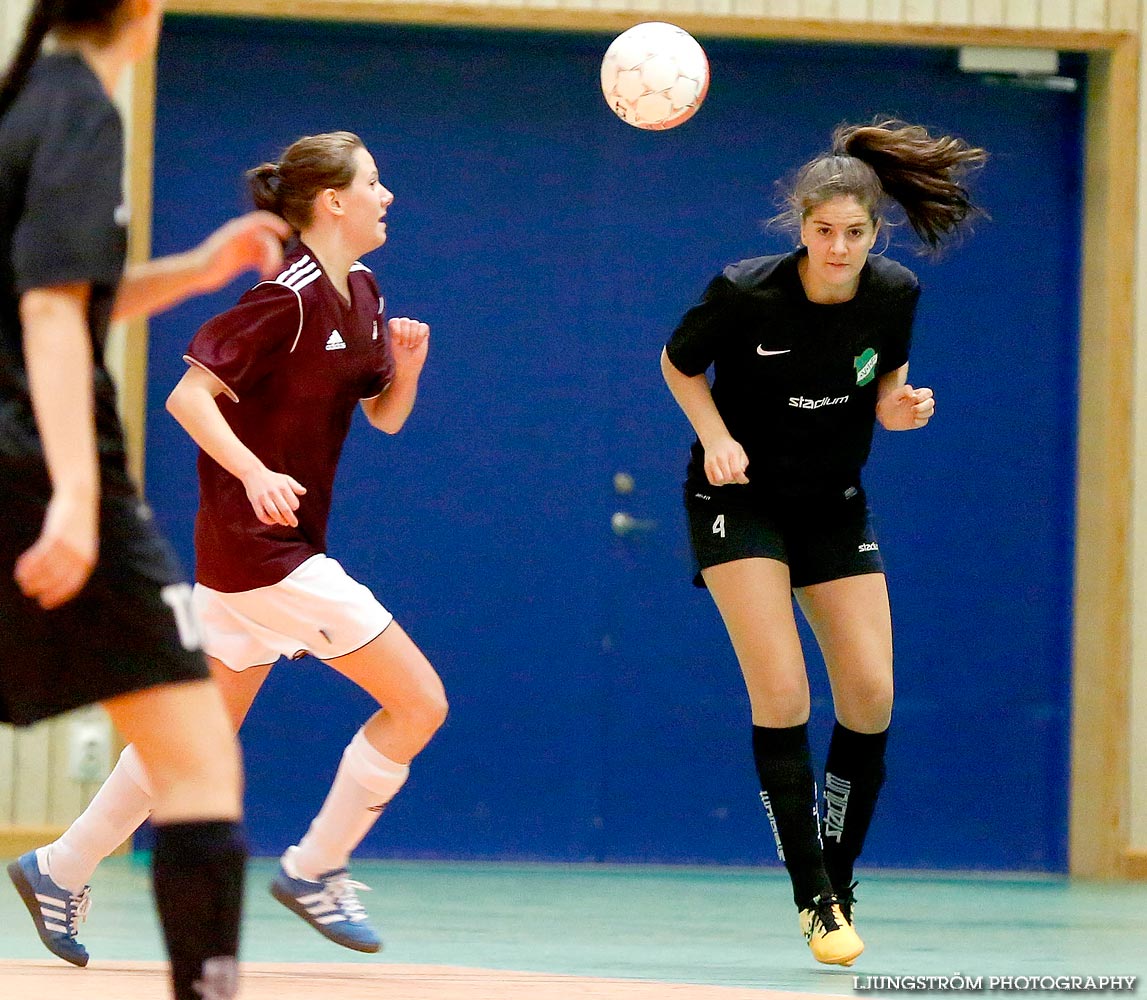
pixel 317 609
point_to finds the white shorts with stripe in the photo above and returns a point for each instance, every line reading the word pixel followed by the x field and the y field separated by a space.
pixel 316 609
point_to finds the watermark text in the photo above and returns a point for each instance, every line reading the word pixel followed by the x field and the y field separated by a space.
pixel 996 984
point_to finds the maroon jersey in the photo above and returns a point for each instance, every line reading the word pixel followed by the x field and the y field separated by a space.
pixel 295 359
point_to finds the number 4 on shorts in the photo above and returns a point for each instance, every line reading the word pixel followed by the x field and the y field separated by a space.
pixel 719 525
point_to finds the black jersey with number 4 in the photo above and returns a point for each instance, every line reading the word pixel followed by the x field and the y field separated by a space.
pixel 62 221
pixel 795 381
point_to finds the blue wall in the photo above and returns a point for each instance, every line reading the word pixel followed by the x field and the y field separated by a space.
pixel 597 710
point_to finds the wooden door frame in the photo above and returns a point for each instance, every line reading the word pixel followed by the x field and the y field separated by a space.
pixel 1099 823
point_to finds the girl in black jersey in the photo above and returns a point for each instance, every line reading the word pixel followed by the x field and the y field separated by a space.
pixel 809 349
pixel 93 608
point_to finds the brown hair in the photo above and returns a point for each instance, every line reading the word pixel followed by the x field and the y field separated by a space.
pixel 890 160
pixel 100 18
pixel 309 165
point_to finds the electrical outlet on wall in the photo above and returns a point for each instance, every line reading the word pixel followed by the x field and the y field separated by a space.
pixel 89 750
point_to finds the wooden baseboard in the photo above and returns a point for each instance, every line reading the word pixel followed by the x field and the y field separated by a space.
pixel 16 840
pixel 1135 865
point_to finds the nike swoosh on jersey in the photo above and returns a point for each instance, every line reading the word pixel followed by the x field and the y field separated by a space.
pixel 764 354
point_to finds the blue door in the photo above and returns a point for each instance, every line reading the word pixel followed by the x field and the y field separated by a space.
pixel 526 528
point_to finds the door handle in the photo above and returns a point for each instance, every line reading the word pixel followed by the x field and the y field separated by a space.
pixel 624 524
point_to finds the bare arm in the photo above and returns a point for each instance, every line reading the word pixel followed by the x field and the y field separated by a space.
pixel 409 342
pixel 253 241
pixel 273 495
pixel 899 407
pixel 725 459
pixel 58 358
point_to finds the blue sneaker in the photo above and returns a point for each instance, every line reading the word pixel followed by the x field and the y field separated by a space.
pixel 329 905
pixel 56 913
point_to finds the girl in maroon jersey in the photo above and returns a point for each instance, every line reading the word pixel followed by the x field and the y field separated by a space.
pixel 268 396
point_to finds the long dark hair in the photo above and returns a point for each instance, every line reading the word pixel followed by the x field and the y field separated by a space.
pixel 306 167
pixel 893 160
pixel 99 17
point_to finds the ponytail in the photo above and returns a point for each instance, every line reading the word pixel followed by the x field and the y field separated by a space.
pixel 40 23
pixel 99 19
pixel 309 165
pixel 923 174
pixel 264 182
pixel 891 161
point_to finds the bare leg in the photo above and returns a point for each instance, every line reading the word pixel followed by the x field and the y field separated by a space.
pixel 393 670
pixel 755 601
pixel 313 881
pixel 238 688
pixel 853 626
pixel 191 757
pixel 187 748
pixel 376 763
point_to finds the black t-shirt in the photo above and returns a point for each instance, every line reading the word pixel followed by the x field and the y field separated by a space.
pixel 62 220
pixel 795 381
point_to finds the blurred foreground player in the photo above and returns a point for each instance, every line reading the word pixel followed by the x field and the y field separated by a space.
pixel 92 606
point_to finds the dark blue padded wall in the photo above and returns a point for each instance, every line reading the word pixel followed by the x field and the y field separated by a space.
pixel 597 710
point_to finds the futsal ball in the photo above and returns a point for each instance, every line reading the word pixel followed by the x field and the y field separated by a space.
pixel 655 75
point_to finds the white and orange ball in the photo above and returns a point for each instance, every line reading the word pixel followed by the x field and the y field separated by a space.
pixel 655 75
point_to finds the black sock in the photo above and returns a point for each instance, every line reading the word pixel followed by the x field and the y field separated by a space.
pixel 197 873
pixel 788 791
pixel 853 776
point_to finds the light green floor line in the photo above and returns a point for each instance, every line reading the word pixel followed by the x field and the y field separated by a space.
pixel 731 927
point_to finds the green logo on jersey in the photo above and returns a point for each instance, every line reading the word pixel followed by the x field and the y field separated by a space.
pixel 866 366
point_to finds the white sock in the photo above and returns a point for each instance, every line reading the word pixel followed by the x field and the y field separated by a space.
pixel 122 803
pixel 366 781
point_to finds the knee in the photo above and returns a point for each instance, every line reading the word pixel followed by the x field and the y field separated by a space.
pixel 201 781
pixel 780 704
pixel 428 712
pixel 438 708
pixel 865 705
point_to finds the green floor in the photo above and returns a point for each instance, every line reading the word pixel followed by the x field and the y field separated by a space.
pixel 720 926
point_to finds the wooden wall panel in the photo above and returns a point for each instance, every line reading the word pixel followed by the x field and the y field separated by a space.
pixel 7 773
pixel 1058 15
pixel 1089 14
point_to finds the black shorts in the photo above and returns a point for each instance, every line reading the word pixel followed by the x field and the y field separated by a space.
pixel 822 538
pixel 126 630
